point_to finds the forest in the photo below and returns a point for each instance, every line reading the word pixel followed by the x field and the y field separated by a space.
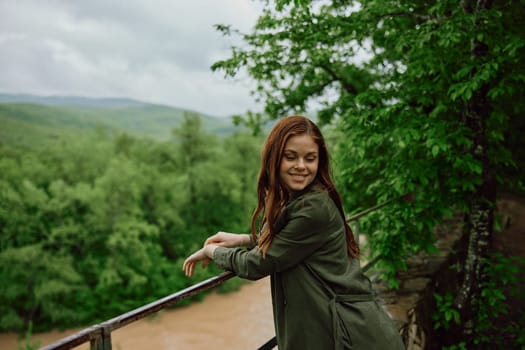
pixel 94 224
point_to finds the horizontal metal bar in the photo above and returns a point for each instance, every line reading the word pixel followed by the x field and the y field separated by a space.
pixel 374 208
pixel 269 345
pixel 371 263
pixel 79 338
pixel 160 304
pixel 369 210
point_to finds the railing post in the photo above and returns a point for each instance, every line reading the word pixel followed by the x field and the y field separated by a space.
pixel 101 339
pixel 106 337
pixel 95 340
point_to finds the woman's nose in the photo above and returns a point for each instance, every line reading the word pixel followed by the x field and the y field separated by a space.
pixel 300 164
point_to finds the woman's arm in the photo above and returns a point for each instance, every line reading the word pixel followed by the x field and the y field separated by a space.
pixel 230 240
pixel 223 239
pixel 204 254
pixel 309 219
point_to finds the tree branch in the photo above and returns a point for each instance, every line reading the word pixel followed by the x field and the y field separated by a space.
pixel 348 87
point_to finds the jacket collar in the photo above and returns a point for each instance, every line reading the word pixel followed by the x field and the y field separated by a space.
pixel 315 186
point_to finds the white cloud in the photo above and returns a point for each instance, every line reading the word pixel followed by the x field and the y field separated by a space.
pixel 157 50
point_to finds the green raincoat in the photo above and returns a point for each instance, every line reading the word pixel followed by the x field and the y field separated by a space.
pixel 320 298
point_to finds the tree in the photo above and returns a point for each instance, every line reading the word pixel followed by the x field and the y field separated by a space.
pixel 195 147
pixel 424 95
pixel 242 158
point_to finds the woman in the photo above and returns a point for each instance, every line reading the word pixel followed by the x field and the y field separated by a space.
pixel 320 298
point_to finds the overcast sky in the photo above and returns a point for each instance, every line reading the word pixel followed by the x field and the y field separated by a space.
pixel 156 51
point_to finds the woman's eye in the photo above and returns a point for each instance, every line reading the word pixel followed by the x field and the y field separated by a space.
pixel 310 159
pixel 289 157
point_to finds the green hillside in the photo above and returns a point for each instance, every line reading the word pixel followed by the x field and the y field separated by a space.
pixel 69 100
pixel 23 124
pixel 27 123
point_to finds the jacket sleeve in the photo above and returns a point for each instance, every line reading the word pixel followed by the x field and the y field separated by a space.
pixel 300 236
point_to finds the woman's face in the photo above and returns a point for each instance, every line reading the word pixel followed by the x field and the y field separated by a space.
pixel 299 163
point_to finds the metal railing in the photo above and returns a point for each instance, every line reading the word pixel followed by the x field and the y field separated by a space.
pixel 99 335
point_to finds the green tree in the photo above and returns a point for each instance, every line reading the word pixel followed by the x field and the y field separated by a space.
pixel 424 95
pixel 195 146
pixel 241 156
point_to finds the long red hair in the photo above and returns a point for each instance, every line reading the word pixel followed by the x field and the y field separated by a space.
pixel 272 195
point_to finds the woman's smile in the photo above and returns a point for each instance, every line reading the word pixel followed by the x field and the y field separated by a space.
pixel 299 177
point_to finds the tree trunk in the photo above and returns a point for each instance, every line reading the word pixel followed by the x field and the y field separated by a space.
pixel 479 220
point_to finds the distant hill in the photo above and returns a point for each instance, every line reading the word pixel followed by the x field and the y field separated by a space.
pixel 25 117
pixel 70 101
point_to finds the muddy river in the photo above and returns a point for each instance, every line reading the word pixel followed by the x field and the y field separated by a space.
pixel 239 320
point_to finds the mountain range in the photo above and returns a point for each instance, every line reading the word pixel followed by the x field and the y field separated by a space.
pixel 26 117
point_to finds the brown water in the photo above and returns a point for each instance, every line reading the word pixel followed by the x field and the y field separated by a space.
pixel 240 320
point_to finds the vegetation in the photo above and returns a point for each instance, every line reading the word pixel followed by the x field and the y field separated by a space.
pixel 497 325
pixel 95 224
pixel 425 99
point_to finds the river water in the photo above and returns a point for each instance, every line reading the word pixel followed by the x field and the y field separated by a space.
pixel 235 321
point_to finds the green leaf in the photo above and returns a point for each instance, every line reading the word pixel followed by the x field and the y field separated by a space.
pixel 435 150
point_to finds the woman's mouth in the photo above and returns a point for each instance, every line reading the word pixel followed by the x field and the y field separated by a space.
pixel 297 177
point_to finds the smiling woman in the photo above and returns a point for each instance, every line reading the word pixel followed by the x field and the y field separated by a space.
pixel 320 298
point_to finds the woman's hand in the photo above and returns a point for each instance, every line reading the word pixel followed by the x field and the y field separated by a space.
pixel 205 255
pixel 229 240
